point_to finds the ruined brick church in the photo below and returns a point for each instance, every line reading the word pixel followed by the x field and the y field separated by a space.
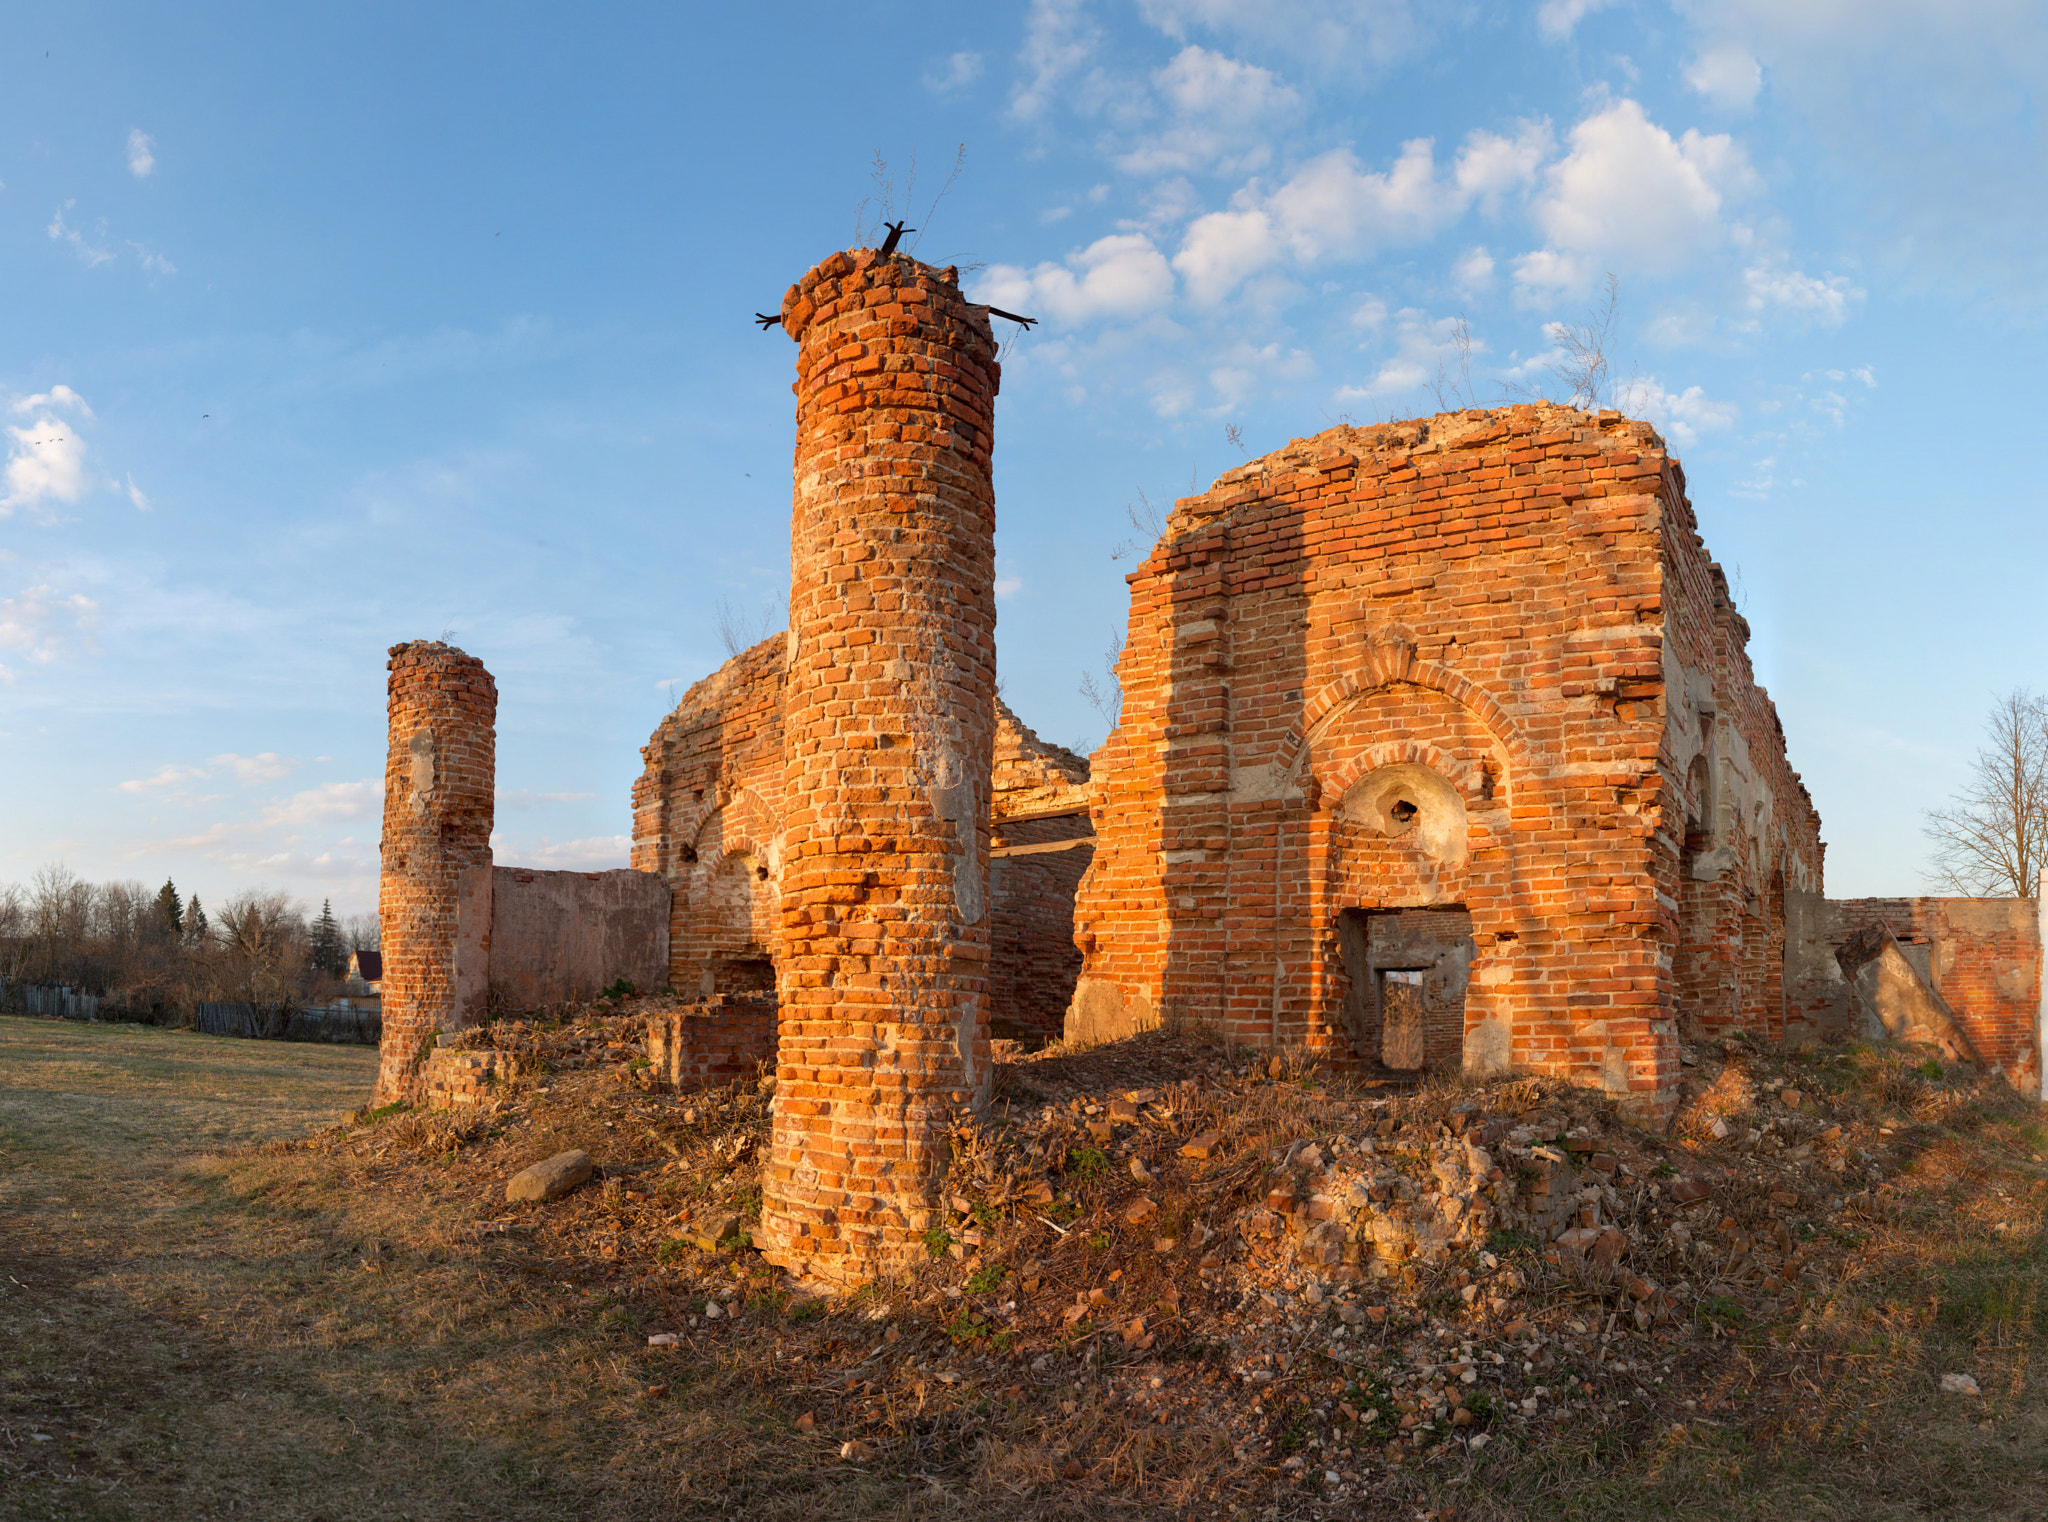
pixel 1440 751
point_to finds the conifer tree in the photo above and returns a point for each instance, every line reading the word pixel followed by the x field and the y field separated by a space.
pixel 197 931
pixel 327 953
pixel 171 910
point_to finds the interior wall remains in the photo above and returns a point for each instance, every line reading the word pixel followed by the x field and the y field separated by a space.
pixel 1982 955
pixel 707 816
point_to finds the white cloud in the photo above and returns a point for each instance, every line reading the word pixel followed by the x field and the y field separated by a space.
pixel 1473 271
pixel 1115 278
pixel 957 73
pixel 1059 41
pixel 44 623
pixel 1728 76
pixel 1332 208
pixel 136 496
pixel 1489 165
pixel 1244 365
pixel 1203 83
pixel 330 800
pixel 90 254
pixel 592 854
pixel 166 776
pixel 1331 34
pixel 56 396
pixel 1680 416
pixel 1223 111
pixel 1629 194
pixel 1008 587
pixel 1423 347
pixel 45 456
pixel 268 767
pixel 1827 299
pixel 141 154
pixel 1556 19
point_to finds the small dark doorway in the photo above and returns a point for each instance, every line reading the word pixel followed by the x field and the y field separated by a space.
pixel 1405 973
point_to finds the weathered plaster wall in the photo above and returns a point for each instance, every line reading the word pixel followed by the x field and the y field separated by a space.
pixel 1419 666
pixel 440 778
pixel 561 936
pixel 1982 955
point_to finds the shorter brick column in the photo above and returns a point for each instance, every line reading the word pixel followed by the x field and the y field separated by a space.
pixel 439 787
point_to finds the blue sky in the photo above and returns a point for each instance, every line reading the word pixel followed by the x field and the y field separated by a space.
pixel 330 327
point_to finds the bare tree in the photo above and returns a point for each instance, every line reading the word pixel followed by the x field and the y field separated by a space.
pixel 1147 524
pixel 739 630
pixel 1107 696
pixel 1992 839
pixel 263 936
pixel 360 932
pixel 1454 392
pixel 1584 367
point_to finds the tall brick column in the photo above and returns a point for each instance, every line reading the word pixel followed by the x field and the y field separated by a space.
pixel 889 724
pixel 439 782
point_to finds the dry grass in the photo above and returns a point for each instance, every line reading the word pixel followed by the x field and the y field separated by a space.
pixel 207 1315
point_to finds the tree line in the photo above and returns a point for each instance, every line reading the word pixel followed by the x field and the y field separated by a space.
pixel 159 956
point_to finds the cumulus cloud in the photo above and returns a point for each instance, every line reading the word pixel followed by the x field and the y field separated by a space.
pixel 1332 207
pixel 45 455
pixel 1332 34
pixel 1680 416
pixel 1630 194
pixel 1201 83
pixel 1115 278
pixel 1060 40
pixel 166 776
pixel 1556 19
pixel 1728 76
pixel 268 767
pixel 1826 299
pixel 1423 346
pixel 330 800
pixel 141 154
pixel 1222 113
pixel 1472 272
pixel 593 853
pixel 956 73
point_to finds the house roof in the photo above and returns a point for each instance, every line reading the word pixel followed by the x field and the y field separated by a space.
pixel 367 965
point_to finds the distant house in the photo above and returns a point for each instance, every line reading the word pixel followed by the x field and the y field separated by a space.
pixel 365 978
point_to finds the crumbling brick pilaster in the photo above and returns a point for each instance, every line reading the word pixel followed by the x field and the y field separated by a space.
pixel 889 717
pixel 439 780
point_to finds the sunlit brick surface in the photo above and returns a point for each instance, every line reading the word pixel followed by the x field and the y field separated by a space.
pixel 888 722
pixel 1507 620
pixel 439 781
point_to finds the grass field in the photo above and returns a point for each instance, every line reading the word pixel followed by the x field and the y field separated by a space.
pixel 203 1316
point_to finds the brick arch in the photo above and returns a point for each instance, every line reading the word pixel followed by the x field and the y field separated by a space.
pixel 1464 777
pixel 744 817
pixel 1386 664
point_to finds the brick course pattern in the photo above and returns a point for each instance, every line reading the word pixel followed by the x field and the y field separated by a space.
pixel 439 801
pixel 722 1040
pixel 888 725
pixel 707 816
pixel 1982 955
pixel 450 1079
pixel 1479 661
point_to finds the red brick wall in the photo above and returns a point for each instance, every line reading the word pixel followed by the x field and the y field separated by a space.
pixel 1982 955
pixel 1473 607
pixel 888 728
pixel 723 1040
pixel 707 815
pixel 439 800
